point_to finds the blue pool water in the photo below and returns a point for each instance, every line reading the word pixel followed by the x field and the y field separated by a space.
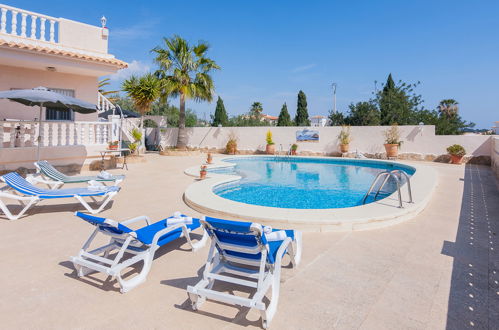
pixel 304 183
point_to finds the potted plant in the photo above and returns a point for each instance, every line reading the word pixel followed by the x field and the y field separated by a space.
pixel 113 145
pixel 270 149
pixel 392 141
pixel 456 153
pixel 294 147
pixel 344 138
pixel 202 173
pixel 133 148
pixel 231 146
pixel 209 158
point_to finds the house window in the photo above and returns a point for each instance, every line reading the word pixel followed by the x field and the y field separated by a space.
pixel 60 114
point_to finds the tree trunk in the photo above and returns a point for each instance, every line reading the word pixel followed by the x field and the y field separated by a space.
pixel 182 134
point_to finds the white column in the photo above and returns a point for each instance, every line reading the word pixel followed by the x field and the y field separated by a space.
pixel 59 134
pixel 23 24
pixel 33 26
pixel 52 24
pixel 82 136
pixel 42 28
pixel 3 20
pixel 14 23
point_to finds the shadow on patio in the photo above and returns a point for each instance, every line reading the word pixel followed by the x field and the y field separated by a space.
pixel 474 293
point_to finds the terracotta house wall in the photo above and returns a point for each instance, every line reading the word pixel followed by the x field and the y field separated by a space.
pixel 85 88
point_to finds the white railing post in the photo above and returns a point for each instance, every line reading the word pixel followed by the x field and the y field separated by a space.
pixel 52 29
pixel 106 134
pixel 67 141
pixel 22 131
pixel 12 135
pixel 83 136
pixel 1 134
pixel 3 20
pixel 42 28
pixel 13 30
pixel 23 24
pixel 59 134
pixel 32 135
pixel 51 134
pixel 75 134
pixel 97 134
pixel 33 26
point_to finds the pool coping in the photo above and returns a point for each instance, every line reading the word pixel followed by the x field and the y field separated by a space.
pixel 200 196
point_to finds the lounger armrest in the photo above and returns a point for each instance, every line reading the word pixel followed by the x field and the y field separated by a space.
pixel 140 218
pixel 37 178
pixel 165 231
pixel 282 249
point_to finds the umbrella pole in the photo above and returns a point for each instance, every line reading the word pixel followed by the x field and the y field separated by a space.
pixel 39 138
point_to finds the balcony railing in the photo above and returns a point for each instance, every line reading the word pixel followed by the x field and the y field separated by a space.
pixel 20 134
pixel 27 24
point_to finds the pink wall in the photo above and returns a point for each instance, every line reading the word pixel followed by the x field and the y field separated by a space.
pixel 14 77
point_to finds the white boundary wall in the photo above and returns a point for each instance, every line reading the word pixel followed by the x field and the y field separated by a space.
pixel 495 154
pixel 366 139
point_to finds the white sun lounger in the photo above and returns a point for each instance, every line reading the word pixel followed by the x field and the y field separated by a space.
pixel 28 195
pixel 141 243
pixel 242 254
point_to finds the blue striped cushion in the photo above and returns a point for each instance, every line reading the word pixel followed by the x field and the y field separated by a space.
pixel 15 181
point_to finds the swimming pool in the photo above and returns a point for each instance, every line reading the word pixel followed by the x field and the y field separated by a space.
pixel 304 183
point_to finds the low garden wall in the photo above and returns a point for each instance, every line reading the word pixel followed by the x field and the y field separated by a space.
pixel 419 142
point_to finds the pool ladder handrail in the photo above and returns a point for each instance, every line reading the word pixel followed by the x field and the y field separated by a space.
pixel 387 175
pixel 281 150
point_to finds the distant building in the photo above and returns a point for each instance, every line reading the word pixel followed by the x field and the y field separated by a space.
pixel 319 121
pixel 272 120
pixel 496 128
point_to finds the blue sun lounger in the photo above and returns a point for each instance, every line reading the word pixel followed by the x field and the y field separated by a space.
pixel 245 254
pixel 27 194
pixel 141 244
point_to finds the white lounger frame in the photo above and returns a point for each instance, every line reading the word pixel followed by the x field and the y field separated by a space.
pixel 28 201
pixel 97 260
pixel 260 275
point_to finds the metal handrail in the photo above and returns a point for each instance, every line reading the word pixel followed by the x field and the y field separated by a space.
pixel 387 175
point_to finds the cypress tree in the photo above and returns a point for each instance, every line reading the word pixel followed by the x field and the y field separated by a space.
pixel 301 118
pixel 284 117
pixel 220 117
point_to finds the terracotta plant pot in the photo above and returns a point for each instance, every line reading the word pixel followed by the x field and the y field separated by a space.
pixel 392 150
pixel 202 174
pixel 456 159
pixel 113 147
pixel 344 147
pixel 209 159
pixel 270 149
pixel 293 152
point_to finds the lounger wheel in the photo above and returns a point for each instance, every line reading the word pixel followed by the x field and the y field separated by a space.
pixel 265 324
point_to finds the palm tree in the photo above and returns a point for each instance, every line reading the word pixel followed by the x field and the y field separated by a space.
pixel 143 91
pixel 448 107
pixel 184 71
pixel 256 110
pixel 103 83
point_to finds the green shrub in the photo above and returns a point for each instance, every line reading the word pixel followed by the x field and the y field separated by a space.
pixel 456 150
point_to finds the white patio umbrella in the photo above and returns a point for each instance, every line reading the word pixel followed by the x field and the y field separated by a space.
pixel 43 97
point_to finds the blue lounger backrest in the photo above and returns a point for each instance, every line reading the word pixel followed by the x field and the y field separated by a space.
pixel 105 224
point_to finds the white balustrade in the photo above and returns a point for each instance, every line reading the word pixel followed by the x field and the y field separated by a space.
pixel 38 31
pixel 20 134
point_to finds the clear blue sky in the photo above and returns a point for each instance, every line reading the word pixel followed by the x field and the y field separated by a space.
pixel 269 50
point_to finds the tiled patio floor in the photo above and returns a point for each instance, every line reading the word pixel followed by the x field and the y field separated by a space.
pixel 439 270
